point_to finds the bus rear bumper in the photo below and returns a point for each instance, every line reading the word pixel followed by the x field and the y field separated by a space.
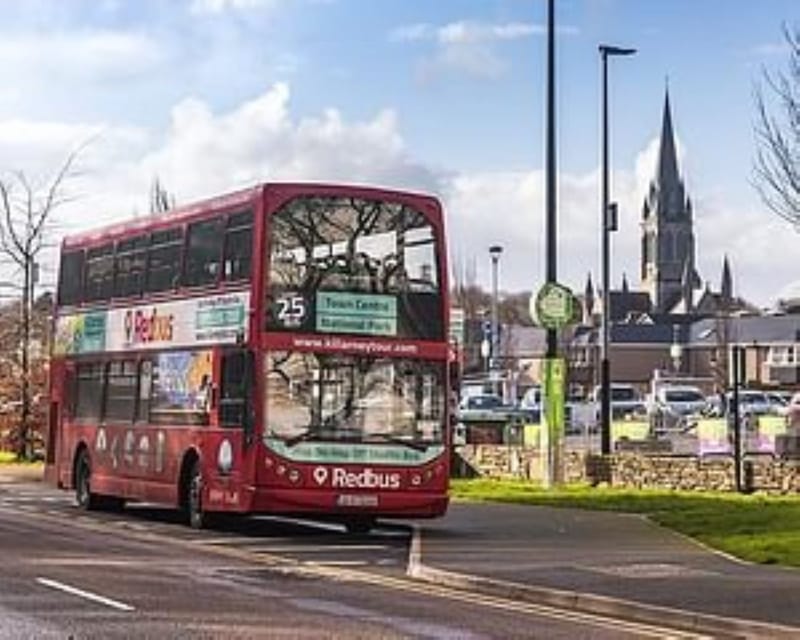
pixel 401 504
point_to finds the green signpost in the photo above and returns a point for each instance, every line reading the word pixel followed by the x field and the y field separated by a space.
pixel 553 307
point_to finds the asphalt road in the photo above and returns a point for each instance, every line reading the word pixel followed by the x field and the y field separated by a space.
pixel 142 574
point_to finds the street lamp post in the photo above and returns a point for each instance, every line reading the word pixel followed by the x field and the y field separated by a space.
pixel 495 251
pixel 607 225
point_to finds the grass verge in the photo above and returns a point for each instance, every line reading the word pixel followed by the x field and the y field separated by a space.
pixel 757 528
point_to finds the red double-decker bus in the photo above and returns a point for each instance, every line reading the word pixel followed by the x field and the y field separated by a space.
pixel 281 349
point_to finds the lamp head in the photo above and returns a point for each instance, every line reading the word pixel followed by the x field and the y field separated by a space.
pixel 610 50
pixel 495 250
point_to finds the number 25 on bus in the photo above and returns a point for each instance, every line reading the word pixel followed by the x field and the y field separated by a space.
pixel 281 349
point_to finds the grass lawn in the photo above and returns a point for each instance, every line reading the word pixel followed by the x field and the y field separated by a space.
pixel 764 529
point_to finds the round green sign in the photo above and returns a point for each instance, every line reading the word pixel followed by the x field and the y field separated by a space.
pixel 552 307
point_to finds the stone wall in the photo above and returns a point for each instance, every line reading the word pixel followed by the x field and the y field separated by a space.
pixel 636 470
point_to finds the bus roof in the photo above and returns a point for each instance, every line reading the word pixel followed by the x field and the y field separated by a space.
pixel 226 202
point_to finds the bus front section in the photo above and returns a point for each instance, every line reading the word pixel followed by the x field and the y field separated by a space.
pixel 354 355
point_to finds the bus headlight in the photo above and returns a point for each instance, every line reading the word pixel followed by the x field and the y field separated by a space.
pixel 225 457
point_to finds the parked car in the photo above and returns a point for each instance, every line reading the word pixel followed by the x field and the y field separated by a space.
pixel 532 399
pixel 793 415
pixel 752 403
pixel 680 400
pixel 482 402
pixel 625 400
pixel 779 401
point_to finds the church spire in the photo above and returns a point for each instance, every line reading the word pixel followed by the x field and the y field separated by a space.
pixel 667 169
pixel 726 288
pixel 588 298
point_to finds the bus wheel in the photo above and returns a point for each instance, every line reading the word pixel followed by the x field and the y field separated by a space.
pixel 83 491
pixel 359 526
pixel 198 519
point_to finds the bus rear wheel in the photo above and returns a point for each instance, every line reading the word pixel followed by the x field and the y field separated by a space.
pixel 195 514
pixel 359 526
pixel 84 497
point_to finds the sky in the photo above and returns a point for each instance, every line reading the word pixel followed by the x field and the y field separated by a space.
pixel 442 97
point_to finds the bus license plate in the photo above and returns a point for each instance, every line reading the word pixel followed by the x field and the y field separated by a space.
pixel 356 500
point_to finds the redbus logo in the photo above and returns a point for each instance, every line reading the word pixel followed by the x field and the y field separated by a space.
pixel 143 327
pixel 365 479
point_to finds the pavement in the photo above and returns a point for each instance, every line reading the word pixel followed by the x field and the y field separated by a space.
pixel 19 473
pixel 605 562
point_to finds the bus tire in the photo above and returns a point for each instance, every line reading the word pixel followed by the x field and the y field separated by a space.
pixel 85 499
pixel 196 516
pixel 112 503
pixel 360 525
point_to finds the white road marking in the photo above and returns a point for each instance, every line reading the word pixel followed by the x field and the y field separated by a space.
pixel 315 549
pixel 336 563
pixel 414 553
pixel 88 595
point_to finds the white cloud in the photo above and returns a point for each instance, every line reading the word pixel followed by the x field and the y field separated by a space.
pixel 205 152
pixel 467 46
pixel 219 6
pixel 771 49
pixel 85 54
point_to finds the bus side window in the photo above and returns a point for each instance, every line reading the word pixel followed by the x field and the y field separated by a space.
pixel 203 251
pixel 235 387
pixel 238 247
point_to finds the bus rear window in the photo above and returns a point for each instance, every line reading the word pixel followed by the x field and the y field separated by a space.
pixel 70 279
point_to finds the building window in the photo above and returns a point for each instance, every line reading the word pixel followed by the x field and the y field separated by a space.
pixel 782 356
pixel 667 254
pixel 203 253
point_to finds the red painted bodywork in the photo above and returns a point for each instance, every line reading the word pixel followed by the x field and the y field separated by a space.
pixel 254 484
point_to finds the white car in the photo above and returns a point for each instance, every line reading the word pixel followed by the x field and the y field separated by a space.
pixel 680 401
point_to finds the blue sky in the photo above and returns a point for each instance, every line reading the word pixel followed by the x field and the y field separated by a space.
pixel 439 96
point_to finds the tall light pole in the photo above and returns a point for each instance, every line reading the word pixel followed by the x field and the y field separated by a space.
pixel 607 225
pixel 494 251
pixel 551 228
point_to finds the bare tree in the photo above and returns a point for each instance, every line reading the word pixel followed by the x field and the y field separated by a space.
pixel 777 162
pixel 26 213
pixel 161 200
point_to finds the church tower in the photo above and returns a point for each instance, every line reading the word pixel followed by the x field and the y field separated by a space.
pixel 668 264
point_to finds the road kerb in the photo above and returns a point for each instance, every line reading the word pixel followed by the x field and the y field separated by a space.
pixel 714 625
